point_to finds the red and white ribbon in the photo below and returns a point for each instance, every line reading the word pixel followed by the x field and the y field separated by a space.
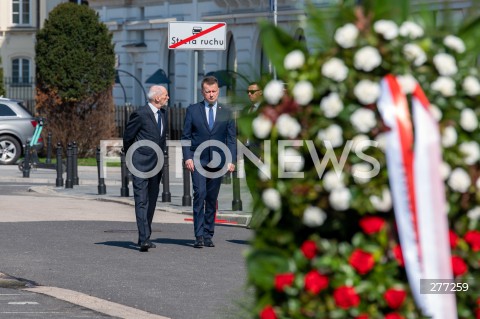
pixel 418 194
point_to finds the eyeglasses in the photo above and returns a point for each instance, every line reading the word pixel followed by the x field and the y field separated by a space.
pixel 252 91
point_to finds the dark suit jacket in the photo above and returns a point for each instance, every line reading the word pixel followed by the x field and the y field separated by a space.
pixel 142 125
pixel 196 130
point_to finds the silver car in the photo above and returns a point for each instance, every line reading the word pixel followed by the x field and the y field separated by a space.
pixel 17 126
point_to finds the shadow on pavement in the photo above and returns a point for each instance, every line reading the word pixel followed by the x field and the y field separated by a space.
pixel 121 244
pixel 171 241
pixel 240 242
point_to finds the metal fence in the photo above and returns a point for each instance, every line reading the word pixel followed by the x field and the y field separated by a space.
pixel 21 89
pixel 176 116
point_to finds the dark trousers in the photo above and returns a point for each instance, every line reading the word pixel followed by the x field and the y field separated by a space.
pixel 205 195
pixel 145 194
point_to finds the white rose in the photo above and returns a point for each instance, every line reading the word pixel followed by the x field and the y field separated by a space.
pixel 445 64
pixel 383 203
pixel 303 92
pixel 474 213
pixel 459 180
pixel 331 105
pixel 367 92
pixel 362 173
pixel 363 120
pixel 367 59
pixel 449 136
pixel 262 126
pixel 471 150
pixel 444 85
pixel 273 91
pixel 468 120
pixel 436 113
pixel 407 83
pixel 445 170
pixel 340 198
pixel 346 36
pixel 388 29
pixel 294 60
pixel 411 30
pixel 454 43
pixel 271 198
pixel 313 217
pixel 414 54
pixel 471 86
pixel 335 69
pixel 333 133
pixel 288 126
pixel 331 180
pixel 293 161
pixel 477 183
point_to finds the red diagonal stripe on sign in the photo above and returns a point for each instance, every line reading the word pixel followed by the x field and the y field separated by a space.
pixel 193 37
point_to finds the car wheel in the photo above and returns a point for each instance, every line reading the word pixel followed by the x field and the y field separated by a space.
pixel 10 150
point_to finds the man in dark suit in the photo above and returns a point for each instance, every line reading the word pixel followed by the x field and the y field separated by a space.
pixel 210 128
pixel 145 136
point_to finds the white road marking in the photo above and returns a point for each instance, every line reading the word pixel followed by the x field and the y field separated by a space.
pixel 23 303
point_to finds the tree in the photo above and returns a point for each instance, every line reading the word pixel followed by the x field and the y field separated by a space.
pixel 75 75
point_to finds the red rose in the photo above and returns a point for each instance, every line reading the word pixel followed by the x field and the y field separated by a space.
pixel 453 238
pixel 472 237
pixel 362 316
pixel 345 297
pixel 268 313
pixel 397 253
pixel 393 315
pixel 477 314
pixel 309 248
pixel 372 224
pixel 395 297
pixel 315 282
pixel 283 280
pixel 362 261
pixel 459 266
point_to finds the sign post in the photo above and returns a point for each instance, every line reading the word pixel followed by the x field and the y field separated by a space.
pixel 183 35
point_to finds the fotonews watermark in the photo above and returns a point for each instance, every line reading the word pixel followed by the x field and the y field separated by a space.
pixel 290 160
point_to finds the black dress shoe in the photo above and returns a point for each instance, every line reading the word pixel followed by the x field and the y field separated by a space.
pixel 148 243
pixel 198 242
pixel 144 246
pixel 209 243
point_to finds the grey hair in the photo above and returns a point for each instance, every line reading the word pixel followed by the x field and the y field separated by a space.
pixel 154 90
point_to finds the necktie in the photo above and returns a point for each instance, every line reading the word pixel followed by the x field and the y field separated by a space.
pixel 210 116
pixel 159 121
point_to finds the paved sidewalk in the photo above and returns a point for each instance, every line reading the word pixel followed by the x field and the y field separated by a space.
pixel 88 189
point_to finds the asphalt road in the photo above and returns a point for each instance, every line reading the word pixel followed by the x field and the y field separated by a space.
pixel 99 258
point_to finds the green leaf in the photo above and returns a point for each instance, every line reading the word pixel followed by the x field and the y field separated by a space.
pixel 263 265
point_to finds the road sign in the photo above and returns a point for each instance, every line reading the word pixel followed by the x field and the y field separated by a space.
pixel 185 35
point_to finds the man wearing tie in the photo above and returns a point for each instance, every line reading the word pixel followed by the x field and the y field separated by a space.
pixel 208 123
pixel 147 125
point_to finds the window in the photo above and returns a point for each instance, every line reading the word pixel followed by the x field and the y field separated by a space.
pixel 21 71
pixel 5 110
pixel 21 11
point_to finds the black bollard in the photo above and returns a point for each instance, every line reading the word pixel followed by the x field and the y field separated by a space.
pixel 59 181
pixel 124 191
pixel 75 163
pixel 69 179
pixel 236 202
pixel 49 148
pixel 226 179
pixel 26 160
pixel 166 196
pixel 102 188
pixel 186 199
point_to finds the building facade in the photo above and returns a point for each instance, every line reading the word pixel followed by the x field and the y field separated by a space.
pixel 140 31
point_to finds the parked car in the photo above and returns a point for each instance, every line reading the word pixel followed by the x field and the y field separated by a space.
pixel 17 126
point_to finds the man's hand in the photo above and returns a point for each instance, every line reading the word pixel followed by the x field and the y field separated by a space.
pixel 189 165
pixel 231 167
